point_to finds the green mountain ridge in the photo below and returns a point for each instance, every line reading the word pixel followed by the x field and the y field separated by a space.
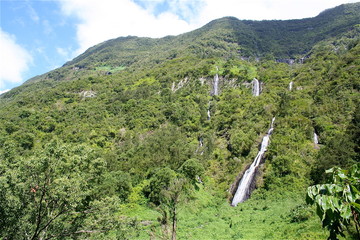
pixel 225 37
pixel 130 141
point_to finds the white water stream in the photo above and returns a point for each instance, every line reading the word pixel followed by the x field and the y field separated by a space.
pixel 214 92
pixel 291 85
pixel 256 87
pixel 201 142
pixel 316 139
pixel 243 190
pixel 216 84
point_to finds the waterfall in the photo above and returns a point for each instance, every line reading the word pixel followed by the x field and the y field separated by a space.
pixel 291 85
pixel 216 84
pixel 214 92
pixel 201 145
pixel 256 87
pixel 243 191
pixel 201 142
pixel 316 139
pixel 208 112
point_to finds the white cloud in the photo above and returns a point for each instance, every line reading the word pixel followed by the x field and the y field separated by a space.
pixel 4 91
pixel 47 28
pixel 33 14
pixel 62 51
pixel 266 9
pixel 186 9
pixel 14 60
pixel 106 19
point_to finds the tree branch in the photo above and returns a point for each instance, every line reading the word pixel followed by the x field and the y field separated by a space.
pixel 39 217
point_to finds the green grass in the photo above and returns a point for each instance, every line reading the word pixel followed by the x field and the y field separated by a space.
pixel 254 219
pixel 264 216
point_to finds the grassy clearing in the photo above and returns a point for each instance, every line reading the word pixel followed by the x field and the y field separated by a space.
pixel 256 218
pixel 263 216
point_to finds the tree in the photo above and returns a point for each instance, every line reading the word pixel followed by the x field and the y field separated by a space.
pixel 171 197
pixel 52 194
pixel 338 202
pixel 159 181
pixel 168 188
pixel 192 169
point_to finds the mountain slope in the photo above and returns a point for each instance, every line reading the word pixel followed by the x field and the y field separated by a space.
pixel 226 37
pixel 107 146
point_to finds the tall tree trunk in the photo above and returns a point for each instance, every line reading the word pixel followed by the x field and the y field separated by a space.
pixel 173 235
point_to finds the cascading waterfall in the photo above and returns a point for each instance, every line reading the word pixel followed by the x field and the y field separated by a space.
pixel 243 190
pixel 215 91
pixel 201 145
pixel 208 112
pixel 256 87
pixel 201 142
pixel 316 139
pixel 291 85
pixel 216 84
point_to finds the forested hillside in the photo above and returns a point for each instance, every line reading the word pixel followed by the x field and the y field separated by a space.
pixel 141 138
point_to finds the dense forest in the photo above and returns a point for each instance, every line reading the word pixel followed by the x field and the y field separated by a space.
pixel 141 138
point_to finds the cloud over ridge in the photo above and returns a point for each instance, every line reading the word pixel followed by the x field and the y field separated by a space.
pixel 106 19
pixel 92 21
pixel 14 60
pixel 103 20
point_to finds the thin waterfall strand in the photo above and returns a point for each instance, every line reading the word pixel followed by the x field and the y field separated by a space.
pixel 216 84
pixel 291 85
pixel 208 112
pixel 201 142
pixel 316 139
pixel 256 87
pixel 243 191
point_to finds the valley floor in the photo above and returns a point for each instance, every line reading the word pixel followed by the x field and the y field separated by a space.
pixel 278 217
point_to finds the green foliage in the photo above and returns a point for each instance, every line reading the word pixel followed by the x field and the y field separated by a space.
pixel 301 213
pixel 338 202
pixel 50 193
pixel 161 180
pixel 192 169
pixel 116 183
pixel 222 38
pixel 140 138
pixel 241 143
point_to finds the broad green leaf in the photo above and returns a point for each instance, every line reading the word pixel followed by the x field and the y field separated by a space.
pixel 338 188
pixel 345 211
pixel 342 175
pixel 331 170
pixel 348 195
pixel 336 201
pixel 356 206
pixel 320 212
pixel 355 190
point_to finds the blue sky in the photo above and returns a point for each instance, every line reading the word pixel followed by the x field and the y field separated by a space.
pixel 37 36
